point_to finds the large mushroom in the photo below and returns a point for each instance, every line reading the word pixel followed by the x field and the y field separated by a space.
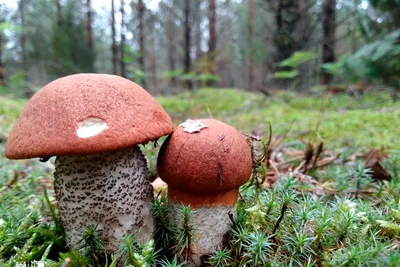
pixel 204 163
pixel 94 123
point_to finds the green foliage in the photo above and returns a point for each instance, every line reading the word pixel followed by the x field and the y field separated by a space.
pixel 378 61
pixel 335 68
pixel 136 255
pixel 163 230
pixel 362 175
pixel 183 233
pixel 291 64
pixel 257 248
pixel 9 112
pixel 328 231
pixel 23 238
pixel 15 82
pixel 5 26
pixel 202 77
pixel 297 59
pixel 392 226
pixel 286 74
pixel 392 166
pixel 90 243
pixel 172 73
pixel 172 263
pixel 74 259
pixel 139 76
pixel 71 54
pixel 386 18
pixel 220 259
pixel 187 76
pixel 14 85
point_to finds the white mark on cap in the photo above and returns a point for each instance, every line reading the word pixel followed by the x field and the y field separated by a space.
pixel 91 127
pixel 191 126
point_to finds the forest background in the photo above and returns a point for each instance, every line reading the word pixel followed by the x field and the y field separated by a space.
pixel 172 45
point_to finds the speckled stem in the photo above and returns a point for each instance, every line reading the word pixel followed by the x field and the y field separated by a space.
pixel 108 190
pixel 211 225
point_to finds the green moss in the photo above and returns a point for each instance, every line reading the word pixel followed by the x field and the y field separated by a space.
pixel 367 121
pixel 9 111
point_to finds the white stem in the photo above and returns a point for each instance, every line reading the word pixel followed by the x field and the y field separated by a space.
pixel 110 191
pixel 211 225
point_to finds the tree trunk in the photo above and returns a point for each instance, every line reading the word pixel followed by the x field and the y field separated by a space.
pixel 58 12
pixel 24 56
pixel 267 64
pixel 197 29
pixel 230 39
pixel 186 38
pixel 285 19
pixel 353 26
pixel 153 61
pixel 394 15
pixel 89 24
pixel 122 46
pixel 103 53
pixel 58 2
pixel 1 51
pixel 212 41
pixel 141 39
pixel 328 44
pixel 251 40
pixel 1 61
pixel 171 43
pixel 114 43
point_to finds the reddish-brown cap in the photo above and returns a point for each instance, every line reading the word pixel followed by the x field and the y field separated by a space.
pixel 205 167
pixel 56 119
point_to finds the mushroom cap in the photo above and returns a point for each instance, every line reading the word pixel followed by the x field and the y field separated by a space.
pixel 211 163
pixel 86 114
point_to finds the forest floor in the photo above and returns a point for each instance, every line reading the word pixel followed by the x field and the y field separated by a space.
pixel 369 120
pixel 320 154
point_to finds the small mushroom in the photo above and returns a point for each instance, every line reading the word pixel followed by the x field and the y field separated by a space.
pixel 94 123
pixel 204 163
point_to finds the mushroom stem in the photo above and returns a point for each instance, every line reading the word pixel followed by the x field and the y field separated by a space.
pixel 110 191
pixel 211 224
pixel 210 217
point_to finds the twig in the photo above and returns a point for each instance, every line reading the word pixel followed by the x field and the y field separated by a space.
pixel 278 141
pixel 316 156
pixel 298 168
pixel 288 161
pixel 242 198
pixel 275 168
pixel 310 179
pixel 278 222
pixel 326 161
pixel 234 223
pixel 270 135
pixel 209 112
pixel 360 192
